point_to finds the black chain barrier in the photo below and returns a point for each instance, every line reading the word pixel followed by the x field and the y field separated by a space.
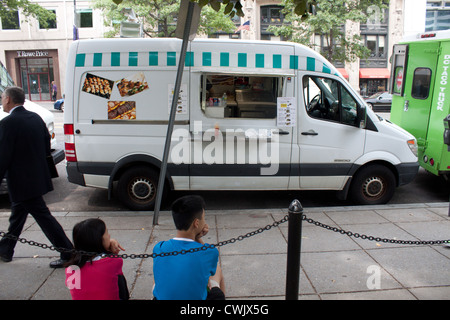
pixel 226 242
pixel 372 238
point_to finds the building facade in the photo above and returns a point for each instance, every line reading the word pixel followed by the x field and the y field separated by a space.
pixel 34 56
pixel 383 29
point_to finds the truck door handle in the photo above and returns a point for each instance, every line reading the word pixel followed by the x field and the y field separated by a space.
pixel 310 133
pixel 281 132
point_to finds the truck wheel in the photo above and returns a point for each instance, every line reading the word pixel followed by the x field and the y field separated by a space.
pixel 137 188
pixel 374 184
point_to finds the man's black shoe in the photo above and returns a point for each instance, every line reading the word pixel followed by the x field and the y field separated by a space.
pixel 58 263
pixel 5 258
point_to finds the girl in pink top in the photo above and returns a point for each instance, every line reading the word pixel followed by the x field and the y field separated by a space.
pixel 95 277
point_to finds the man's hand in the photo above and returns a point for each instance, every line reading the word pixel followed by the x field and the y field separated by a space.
pixel 202 233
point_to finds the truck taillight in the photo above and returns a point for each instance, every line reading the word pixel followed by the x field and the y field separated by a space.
pixel 69 139
pixel 428 35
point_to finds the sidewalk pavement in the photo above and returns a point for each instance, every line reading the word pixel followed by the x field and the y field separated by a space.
pixel 333 266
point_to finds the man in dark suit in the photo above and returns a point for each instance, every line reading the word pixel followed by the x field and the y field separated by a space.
pixel 24 147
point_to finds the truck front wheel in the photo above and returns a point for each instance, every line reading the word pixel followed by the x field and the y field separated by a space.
pixel 137 188
pixel 374 184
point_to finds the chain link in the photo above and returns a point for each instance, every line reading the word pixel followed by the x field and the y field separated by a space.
pixel 223 243
pixel 372 238
pixel 148 255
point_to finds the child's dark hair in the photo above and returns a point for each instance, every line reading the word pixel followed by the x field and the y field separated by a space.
pixel 87 236
pixel 186 209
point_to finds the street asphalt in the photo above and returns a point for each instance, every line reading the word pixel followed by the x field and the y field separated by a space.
pixel 334 266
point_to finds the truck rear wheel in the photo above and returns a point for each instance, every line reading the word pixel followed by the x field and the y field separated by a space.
pixel 137 188
pixel 374 184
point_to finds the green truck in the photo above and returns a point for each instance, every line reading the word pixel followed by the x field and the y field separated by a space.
pixel 420 85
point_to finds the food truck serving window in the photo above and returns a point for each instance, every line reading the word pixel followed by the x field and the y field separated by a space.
pixel 236 96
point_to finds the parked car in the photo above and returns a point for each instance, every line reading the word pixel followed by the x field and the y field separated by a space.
pixel 48 117
pixel 380 102
pixel 59 105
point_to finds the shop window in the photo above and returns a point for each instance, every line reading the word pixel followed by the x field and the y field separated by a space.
pixel 10 20
pixel 369 87
pixel 328 100
pixel 235 96
pixel 421 83
pixel 84 17
pixel 36 77
pixel 48 23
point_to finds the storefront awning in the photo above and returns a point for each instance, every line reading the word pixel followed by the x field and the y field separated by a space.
pixel 343 72
pixel 374 73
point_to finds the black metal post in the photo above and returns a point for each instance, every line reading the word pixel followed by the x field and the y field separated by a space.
pixel 176 92
pixel 293 250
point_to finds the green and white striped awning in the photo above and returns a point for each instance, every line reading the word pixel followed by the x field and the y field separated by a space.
pixel 203 60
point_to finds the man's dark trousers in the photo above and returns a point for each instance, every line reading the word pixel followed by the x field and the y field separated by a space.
pixel 38 210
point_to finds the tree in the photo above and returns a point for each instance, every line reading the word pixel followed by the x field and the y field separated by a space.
pixel 158 17
pixel 231 8
pixel 28 9
pixel 227 8
pixel 328 21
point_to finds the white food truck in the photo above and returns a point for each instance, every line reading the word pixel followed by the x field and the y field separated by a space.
pixel 251 115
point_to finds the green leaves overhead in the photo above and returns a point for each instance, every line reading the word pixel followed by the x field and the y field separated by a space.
pixel 302 7
pixel 158 17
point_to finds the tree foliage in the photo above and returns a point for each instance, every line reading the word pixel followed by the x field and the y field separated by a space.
pixel 232 8
pixel 158 17
pixel 300 7
pixel 28 9
pixel 328 21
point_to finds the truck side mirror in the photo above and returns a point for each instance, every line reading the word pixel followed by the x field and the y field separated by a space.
pixel 447 131
pixel 361 116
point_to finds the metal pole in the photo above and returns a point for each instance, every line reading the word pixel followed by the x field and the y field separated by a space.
pixel 293 250
pixel 75 27
pixel 176 92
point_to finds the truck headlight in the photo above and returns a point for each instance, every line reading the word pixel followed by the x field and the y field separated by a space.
pixel 51 129
pixel 412 144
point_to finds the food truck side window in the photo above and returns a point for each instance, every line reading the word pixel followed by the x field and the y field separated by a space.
pixel 240 96
pixel 421 83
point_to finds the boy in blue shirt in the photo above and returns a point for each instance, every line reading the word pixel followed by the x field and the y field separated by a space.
pixel 190 276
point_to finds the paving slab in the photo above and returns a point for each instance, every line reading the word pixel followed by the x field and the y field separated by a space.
pixel 334 266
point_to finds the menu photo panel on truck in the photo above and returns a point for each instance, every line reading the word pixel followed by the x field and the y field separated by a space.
pixel 251 115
